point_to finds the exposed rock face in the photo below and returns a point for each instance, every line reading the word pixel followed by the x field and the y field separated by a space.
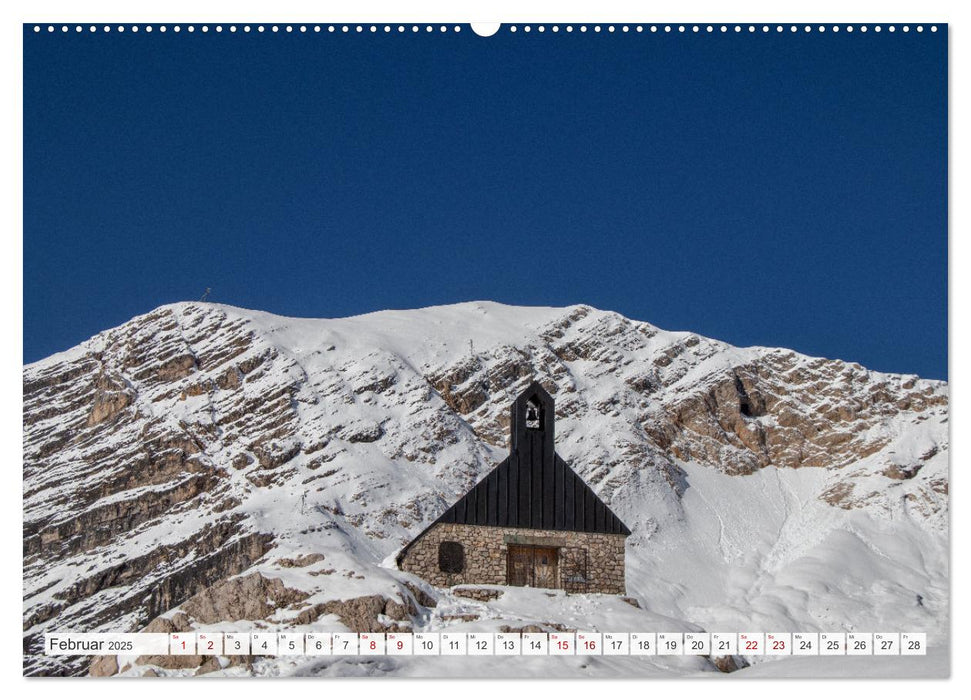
pixel 729 664
pixel 815 414
pixel 361 614
pixel 199 442
pixel 250 597
pixel 420 596
pixel 179 622
pixel 104 666
pixel 477 593
pixel 301 561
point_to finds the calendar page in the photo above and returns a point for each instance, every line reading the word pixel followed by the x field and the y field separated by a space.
pixel 516 350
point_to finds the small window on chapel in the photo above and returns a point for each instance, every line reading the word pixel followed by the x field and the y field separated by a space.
pixel 451 557
pixel 534 418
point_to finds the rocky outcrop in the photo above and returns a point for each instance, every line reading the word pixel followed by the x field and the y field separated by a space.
pixel 251 597
pixel 729 664
pixel 301 561
pixel 780 412
pixel 102 666
pixel 477 593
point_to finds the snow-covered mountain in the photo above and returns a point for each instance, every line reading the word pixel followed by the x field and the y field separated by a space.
pixel 208 467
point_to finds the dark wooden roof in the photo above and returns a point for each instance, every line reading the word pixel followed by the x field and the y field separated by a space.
pixel 516 495
pixel 533 487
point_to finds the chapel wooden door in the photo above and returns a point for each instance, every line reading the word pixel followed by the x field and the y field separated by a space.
pixel 531 566
pixel 518 565
pixel 544 567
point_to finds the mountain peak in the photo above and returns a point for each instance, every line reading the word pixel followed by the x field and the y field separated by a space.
pixel 246 438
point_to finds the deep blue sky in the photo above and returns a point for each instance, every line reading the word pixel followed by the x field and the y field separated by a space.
pixel 772 189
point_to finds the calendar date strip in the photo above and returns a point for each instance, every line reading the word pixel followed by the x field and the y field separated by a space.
pixel 488 644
